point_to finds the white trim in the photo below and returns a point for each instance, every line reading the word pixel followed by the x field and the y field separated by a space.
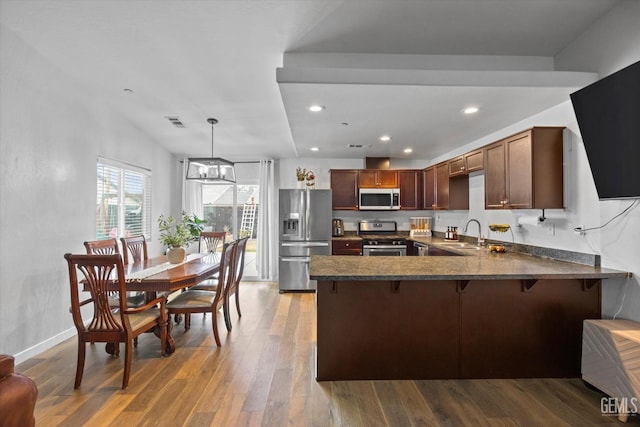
pixel 44 345
pixel 123 165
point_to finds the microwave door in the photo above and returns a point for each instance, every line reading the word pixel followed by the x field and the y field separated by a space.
pixel 375 200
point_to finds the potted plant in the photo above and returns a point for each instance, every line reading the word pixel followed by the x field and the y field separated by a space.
pixel 176 234
pixel 195 225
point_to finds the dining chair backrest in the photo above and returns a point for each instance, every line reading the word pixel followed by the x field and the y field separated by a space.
pixel 226 272
pixel 137 246
pixel 110 247
pixel 234 286
pixel 100 272
pixel 238 264
pixel 210 240
pixel 102 247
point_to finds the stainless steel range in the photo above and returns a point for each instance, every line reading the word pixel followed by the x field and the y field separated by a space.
pixel 381 238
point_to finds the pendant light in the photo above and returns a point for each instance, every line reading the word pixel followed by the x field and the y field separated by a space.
pixel 211 170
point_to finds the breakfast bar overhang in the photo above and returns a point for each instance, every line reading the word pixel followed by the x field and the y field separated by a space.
pixel 486 315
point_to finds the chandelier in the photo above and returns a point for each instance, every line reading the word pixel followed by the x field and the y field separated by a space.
pixel 210 170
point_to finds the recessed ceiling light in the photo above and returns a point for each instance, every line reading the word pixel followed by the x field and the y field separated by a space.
pixel 385 138
pixel 315 149
pixel 316 108
pixel 408 150
pixel 470 110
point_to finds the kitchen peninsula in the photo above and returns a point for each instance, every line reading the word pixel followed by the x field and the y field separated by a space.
pixel 482 315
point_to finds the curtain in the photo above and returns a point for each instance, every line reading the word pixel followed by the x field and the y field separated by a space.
pixel 267 234
pixel 191 194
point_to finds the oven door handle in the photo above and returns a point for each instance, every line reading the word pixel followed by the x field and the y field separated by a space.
pixel 384 247
pixel 306 244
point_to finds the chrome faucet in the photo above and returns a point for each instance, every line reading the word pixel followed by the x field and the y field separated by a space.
pixel 480 239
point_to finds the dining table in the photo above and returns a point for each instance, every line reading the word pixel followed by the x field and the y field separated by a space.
pixel 157 274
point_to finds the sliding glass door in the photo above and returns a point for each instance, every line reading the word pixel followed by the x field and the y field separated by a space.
pixel 234 208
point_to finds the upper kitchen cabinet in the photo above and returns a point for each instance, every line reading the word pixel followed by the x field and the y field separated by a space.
pixel 443 192
pixel 378 178
pixel 344 186
pixel 469 162
pixel 524 171
pixel 410 189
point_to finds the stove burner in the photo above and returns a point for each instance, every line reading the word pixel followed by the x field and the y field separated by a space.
pixel 380 233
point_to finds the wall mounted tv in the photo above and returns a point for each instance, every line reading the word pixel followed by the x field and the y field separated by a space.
pixel 608 113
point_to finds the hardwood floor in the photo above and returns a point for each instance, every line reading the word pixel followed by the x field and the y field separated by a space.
pixel 264 375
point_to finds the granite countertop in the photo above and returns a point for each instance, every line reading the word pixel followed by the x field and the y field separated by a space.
pixel 475 264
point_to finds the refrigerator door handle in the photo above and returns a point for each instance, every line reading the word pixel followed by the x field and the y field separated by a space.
pixel 295 259
pixel 305 244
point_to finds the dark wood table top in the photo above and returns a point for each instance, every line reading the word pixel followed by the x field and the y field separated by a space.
pixel 176 277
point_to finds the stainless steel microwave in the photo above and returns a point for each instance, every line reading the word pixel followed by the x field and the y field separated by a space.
pixel 379 199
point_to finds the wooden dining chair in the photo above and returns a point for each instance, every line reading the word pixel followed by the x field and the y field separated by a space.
pixel 212 285
pixel 198 301
pixel 102 247
pixel 210 241
pixel 99 273
pixel 109 247
pixel 136 246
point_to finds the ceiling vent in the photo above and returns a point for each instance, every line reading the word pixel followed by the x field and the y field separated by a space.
pixel 355 146
pixel 175 121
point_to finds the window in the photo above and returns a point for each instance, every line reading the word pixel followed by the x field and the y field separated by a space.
pixel 123 205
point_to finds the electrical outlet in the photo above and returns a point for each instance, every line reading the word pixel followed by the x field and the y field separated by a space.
pixel 580 230
pixel 550 229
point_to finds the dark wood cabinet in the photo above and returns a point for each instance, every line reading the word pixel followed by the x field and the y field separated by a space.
pixel 429 188
pixel 457 166
pixel 524 171
pixel 442 191
pixel 378 178
pixel 474 160
pixel 410 184
pixel 442 186
pixel 344 186
pixel 495 176
pixel 346 247
pixel 346 182
pixel 468 162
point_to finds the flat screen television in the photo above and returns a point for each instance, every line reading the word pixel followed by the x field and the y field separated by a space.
pixel 608 113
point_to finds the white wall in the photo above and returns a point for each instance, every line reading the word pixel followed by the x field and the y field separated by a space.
pixel 52 131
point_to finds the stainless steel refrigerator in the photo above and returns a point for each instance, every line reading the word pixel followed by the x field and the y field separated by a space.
pixel 305 230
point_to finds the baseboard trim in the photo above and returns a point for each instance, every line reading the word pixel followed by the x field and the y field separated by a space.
pixel 44 345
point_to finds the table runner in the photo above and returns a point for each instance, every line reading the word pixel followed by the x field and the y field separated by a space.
pixel 143 274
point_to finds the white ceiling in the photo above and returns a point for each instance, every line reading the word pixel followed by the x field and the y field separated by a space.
pixel 397 67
